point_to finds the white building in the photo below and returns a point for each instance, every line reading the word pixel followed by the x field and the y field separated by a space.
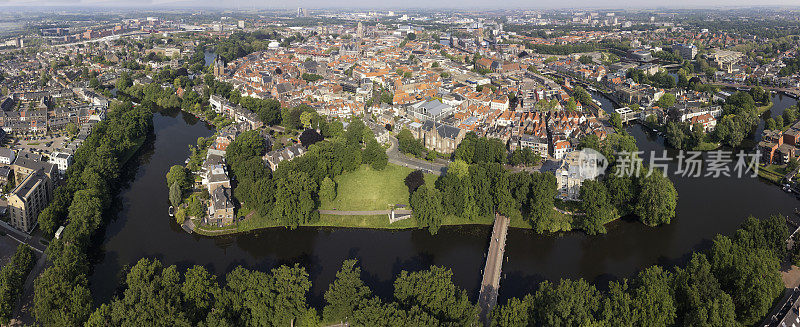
pixel 6 156
pixel 61 160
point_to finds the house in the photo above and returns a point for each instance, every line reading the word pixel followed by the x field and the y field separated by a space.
pixel 568 177
pixel 6 156
pixel 561 148
pixel 771 141
pixel 61 160
pixel 27 163
pixel 220 212
pixel 706 120
pixel 274 158
pixel 792 135
pixel 539 145
pixel 216 176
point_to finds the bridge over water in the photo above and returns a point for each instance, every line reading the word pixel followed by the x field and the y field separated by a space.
pixel 490 284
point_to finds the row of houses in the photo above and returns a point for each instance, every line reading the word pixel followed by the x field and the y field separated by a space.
pixel 236 113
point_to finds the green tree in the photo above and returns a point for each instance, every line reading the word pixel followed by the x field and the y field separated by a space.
pixel 295 202
pixel 61 298
pixel 12 280
pixel 568 303
pixel 596 204
pixel 200 292
pixel 346 294
pixel 433 291
pixel 375 155
pixel 177 174
pixel 699 299
pixel 327 189
pixel 653 303
pixel 513 313
pixel 657 199
pixel 408 144
pixel 426 204
pixel 666 101
pixel 175 195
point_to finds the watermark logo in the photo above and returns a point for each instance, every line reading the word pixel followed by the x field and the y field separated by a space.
pixel 715 164
pixel 591 163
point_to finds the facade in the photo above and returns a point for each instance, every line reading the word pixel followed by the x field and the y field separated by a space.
pixel 220 211
pixel 687 51
pixel 61 160
pixel 539 145
pixel 568 177
pixel 440 137
pixel 28 199
pixel 7 156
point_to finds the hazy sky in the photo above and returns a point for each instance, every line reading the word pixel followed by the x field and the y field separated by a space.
pixel 615 4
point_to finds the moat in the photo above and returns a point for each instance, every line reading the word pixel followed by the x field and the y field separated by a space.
pixel 142 228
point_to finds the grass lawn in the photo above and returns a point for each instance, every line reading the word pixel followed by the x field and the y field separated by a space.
pixel 773 173
pixel 707 146
pixel 762 109
pixel 369 189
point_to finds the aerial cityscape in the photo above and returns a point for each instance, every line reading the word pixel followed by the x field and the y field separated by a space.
pixel 195 163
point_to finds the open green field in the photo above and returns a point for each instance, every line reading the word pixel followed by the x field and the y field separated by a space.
pixel 369 189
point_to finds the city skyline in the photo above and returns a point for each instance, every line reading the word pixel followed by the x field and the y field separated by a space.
pixel 396 4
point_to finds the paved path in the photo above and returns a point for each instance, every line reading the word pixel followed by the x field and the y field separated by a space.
pixel 490 285
pixel 364 213
pixel 398 158
pixel 33 241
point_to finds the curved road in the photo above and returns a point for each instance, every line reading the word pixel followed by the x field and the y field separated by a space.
pixel 398 158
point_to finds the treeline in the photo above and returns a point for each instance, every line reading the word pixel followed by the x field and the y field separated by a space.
pixel 62 296
pixel 566 49
pixel 240 44
pixel 12 280
pixel 158 295
pixel 290 195
pixel 477 186
pixel 628 188
pixel 734 283
pixel 789 116
pixel 661 79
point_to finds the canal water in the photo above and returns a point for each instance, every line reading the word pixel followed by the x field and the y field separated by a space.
pixel 142 228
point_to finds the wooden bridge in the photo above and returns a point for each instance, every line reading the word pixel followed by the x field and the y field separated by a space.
pixel 490 284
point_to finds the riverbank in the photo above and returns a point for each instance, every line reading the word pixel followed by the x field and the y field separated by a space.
pixel 362 192
pixel 764 108
pixel 374 222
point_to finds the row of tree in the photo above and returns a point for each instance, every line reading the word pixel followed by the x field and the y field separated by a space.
pixel 62 296
pixel 12 280
pixel 733 284
pixel 477 186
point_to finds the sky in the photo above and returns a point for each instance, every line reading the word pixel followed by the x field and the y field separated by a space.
pixel 398 4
